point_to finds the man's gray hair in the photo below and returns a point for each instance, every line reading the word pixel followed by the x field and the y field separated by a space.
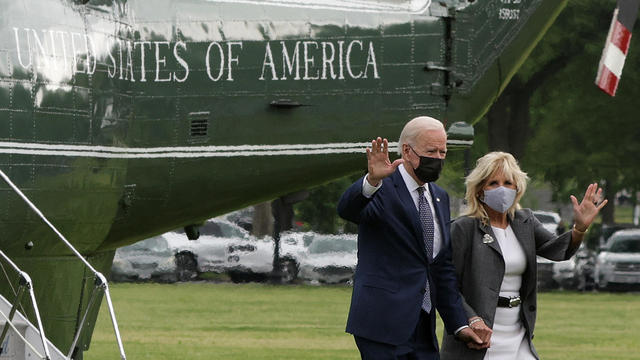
pixel 414 127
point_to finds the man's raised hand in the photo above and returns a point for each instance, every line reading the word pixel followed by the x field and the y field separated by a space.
pixel 378 161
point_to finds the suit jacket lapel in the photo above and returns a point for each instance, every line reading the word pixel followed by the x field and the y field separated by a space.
pixel 410 208
pixel 438 207
pixel 492 242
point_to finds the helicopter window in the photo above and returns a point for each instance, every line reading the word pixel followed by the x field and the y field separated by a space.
pixel 380 5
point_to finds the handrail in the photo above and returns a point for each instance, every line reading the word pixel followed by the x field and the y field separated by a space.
pixel 9 323
pixel 101 281
pixel 26 279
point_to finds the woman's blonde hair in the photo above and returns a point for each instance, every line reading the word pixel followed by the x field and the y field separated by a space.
pixel 486 166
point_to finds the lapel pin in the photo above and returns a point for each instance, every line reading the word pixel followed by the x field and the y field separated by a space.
pixel 487 239
pixel 438 199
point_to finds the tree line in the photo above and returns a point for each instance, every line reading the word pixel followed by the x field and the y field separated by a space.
pixel 551 117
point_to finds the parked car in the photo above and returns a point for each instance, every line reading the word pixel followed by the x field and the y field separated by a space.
pixel 607 230
pixel 330 259
pixel 242 218
pixel 577 272
pixel 553 274
pixel 550 220
pixel 223 247
pixel 293 247
pixel 563 273
pixel 210 252
pixel 150 259
pixel 545 274
pixel 251 260
pixel 618 264
pixel 584 270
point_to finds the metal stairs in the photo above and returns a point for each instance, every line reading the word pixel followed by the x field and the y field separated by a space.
pixel 19 338
pixel 23 340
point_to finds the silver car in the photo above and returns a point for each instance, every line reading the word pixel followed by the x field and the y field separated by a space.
pixel 577 272
pixel 618 264
pixel 150 259
pixel 547 268
pixel 223 247
pixel 550 220
pixel 330 259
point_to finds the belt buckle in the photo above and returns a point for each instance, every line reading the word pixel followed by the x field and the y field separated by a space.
pixel 514 301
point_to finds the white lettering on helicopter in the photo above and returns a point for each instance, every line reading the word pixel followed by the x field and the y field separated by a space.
pixel 220 54
pixel 506 13
pixel 57 54
pixel 52 50
pixel 328 62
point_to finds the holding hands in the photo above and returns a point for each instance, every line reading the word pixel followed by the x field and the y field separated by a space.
pixel 378 161
pixel 471 338
pixel 482 331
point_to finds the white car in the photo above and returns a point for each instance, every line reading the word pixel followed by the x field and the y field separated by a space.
pixel 252 259
pixel 618 264
pixel 562 272
pixel 330 259
pixel 550 220
pixel 224 247
pixel 221 247
pixel 171 256
pixel 577 272
pixel 150 259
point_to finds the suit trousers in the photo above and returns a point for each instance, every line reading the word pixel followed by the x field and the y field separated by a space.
pixel 418 347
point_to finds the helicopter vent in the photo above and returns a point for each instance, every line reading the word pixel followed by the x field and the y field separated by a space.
pixel 199 124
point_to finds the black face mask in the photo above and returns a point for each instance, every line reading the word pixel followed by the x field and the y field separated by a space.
pixel 429 168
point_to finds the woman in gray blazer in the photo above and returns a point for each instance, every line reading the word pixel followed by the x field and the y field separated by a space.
pixel 494 245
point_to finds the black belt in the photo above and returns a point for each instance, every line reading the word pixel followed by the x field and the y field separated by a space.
pixel 509 302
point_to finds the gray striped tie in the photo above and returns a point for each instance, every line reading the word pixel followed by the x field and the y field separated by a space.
pixel 426 220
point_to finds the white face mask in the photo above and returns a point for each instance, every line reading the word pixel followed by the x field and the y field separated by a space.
pixel 499 199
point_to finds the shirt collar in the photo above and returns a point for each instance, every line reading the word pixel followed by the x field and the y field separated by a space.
pixel 412 185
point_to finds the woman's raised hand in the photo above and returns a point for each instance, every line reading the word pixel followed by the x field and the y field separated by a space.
pixel 588 208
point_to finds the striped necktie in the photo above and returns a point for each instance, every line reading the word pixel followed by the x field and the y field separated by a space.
pixel 428 230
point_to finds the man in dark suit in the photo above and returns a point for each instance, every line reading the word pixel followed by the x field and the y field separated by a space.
pixel 404 270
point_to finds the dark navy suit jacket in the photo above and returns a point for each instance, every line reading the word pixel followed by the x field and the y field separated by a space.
pixel 392 264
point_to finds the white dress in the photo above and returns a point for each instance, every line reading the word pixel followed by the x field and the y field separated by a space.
pixel 508 341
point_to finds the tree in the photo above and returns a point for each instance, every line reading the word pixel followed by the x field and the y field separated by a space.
pixel 551 117
pixel 581 23
pixel 319 210
pixel 557 123
pixel 582 134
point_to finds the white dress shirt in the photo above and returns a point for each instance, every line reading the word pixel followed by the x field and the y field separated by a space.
pixel 412 186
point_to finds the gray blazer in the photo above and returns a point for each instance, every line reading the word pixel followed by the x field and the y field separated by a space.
pixel 480 270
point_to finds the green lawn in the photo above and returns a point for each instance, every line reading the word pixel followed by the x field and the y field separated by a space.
pixel 624 214
pixel 253 321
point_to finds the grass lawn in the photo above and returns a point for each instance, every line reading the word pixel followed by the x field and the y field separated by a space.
pixel 254 321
